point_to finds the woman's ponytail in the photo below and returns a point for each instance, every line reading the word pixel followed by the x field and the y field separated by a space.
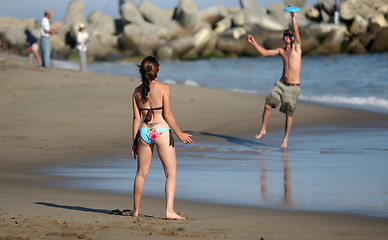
pixel 148 69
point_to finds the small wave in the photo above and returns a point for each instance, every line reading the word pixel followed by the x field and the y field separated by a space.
pixel 361 101
pixel 192 83
pixel 251 91
pixel 188 82
pixel 169 81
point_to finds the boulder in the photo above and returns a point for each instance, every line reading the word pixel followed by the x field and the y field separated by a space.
pixel 187 15
pixel 98 49
pixel 324 29
pixel 229 44
pixel 101 24
pixel 313 14
pixel 181 45
pixel 349 9
pixel 75 13
pixel 200 39
pixel 130 14
pixel 359 25
pixel 213 14
pixel 223 25
pixel 373 28
pixel 155 14
pixel 380 43
pixel 276 11
pixel 254 14
pixel 7 22
pixel 355 47
pixel 165 52
pixel 298 3
pixel 333 42
pixel 274 42
pixel 380 20
pixel 15 36
pixel 308 42
pixel 366 40
pixel 238 18
pixel 326 5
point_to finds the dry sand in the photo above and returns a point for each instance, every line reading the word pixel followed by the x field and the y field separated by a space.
pixel 50 117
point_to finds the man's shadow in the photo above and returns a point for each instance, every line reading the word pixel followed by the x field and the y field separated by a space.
pixel 230 139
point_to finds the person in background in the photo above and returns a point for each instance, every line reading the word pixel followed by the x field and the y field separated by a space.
pixel 45 33
pixel 82 39
pixel 336 12
pixel 286 91
pixel 153 123
pixel 32 48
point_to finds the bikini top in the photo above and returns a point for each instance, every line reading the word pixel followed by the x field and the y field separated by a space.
pixel 148 117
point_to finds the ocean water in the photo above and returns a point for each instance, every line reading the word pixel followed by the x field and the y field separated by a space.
pixel 354 81
pixel 325 168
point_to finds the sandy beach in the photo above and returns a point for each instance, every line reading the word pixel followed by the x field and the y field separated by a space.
pixel 52 117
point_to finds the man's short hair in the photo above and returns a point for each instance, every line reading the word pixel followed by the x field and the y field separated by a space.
pixel 288 33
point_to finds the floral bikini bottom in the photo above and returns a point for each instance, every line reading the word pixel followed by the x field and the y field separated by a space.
pixel 150 134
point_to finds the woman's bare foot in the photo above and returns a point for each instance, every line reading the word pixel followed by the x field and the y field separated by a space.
pixel 284 144
pixel 261 133
pixel 134 213
pixel 174 216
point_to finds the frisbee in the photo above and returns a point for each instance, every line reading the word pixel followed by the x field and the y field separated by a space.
pixel 291 9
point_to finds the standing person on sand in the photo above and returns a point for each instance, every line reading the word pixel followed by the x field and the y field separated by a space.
pixel 286 91
pixel 82 39
pixel 45 33
pixel 152 124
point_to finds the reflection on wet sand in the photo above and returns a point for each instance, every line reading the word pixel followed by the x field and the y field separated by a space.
pixel 287 186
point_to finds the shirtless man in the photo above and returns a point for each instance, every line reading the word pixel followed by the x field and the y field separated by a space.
pixel 286 91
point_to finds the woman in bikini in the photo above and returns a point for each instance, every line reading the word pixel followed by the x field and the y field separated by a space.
pixel 152 124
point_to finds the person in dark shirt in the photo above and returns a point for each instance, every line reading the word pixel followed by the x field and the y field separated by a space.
pixel 33 47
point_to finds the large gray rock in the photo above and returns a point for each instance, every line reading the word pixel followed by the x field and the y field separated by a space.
pixel 298 3
pixel 359 25
pixel 75 13
pixel 8 22
pixel 181 45
pixel 187 15
pixel 349 9
pixel 326 5
pixel 333 42
pixel 324 29
pixel 308 42
pixel 223 25
pixel 356 47
pixel 213 14
pixel 15 36
pixel 229 44
pixel 101 24
pixel 130 14
pixel 238 18
pixel 380 43
pixel 200 39
pixel 155 14
pixel 380 20
pixel 98 49
pixel 276 11
pixel 257 15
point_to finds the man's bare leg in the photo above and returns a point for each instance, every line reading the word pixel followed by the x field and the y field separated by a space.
pixel 266 115
pixel 287 131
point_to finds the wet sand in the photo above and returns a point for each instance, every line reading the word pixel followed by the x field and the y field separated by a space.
pixel 51 117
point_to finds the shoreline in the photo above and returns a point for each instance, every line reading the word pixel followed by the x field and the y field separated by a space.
pixel 56 116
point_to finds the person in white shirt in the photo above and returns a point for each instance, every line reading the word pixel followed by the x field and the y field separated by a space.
pixel 45 33
pixel 82 39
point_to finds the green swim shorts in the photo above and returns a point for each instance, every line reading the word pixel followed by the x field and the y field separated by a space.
pixel 285 96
